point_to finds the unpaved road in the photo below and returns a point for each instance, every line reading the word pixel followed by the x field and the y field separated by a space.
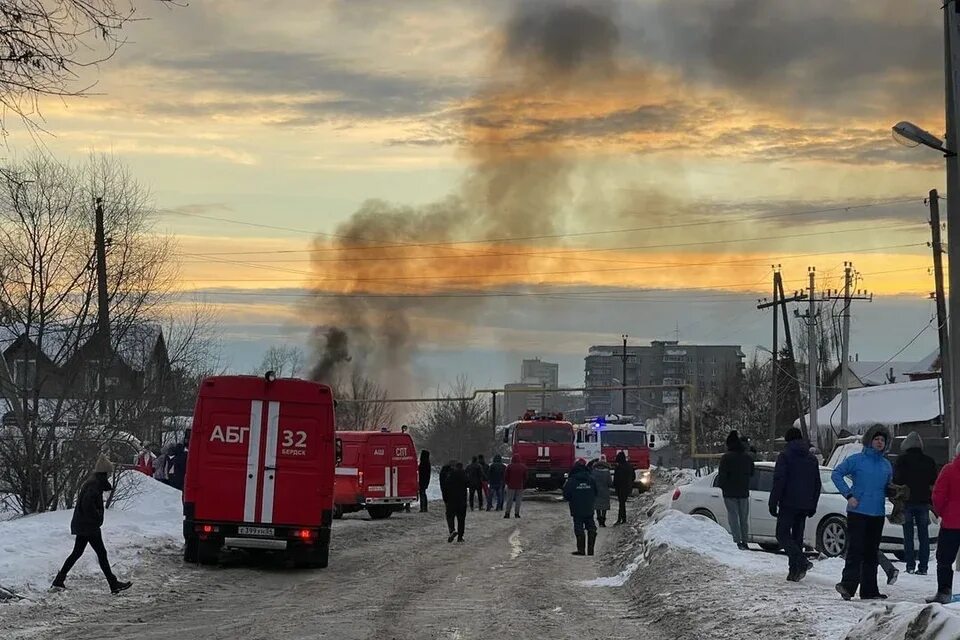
pixel 395 579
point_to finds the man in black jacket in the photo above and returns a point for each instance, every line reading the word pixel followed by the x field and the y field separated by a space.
pixel 85 525
pixel 733 478
pixel 475 482
pixel 623 479
pixel 580 491
pixel 423 476
pixel 453 486
pixel 918 472
pixel 794 498
pixel 496 474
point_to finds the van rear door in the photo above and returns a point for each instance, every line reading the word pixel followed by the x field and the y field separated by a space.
pixel 404 480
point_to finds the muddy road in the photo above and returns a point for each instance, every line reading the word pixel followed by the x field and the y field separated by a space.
pixel 393 579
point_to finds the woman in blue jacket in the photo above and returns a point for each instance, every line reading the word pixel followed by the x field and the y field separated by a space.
pixel 866 500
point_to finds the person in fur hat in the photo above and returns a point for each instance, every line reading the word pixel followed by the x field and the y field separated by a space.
pixel 86 523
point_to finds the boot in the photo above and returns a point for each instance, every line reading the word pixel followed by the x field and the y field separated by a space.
pixel 118 585
pixel 941 598
pixel 581 544
pixel 591 541
pixel 58 582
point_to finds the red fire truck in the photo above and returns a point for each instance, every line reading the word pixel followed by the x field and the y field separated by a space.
pixel 378 472
pixel 543 442
pixel 260 471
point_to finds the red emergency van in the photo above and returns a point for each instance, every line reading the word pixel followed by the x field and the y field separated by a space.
pixel 260 469
pixel 377 472
pixel 545 444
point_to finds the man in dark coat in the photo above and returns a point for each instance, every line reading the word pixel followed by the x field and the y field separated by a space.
pixel 177 466
pixel 496 475
pixel 580 491
pixel 794 498
pixel 623 479
pixel 453 486
pixel 484 480
pixel 918 472
pixel 733 478
pixel 475 482
pixel 423 475
pixel 85 525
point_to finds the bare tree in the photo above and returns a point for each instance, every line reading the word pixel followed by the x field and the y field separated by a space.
pixel 286 361
pixel 457 428
pixel 45 45
pixel 67 402
pixel 371 413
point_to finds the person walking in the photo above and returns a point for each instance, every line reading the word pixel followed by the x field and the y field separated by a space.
pixel 918 472
pixel 603 480
pixel 475 482
pixel 733 478
pixel 870 472
pixel 946 504
pixel 623 478
pixel 516 479
pixel 424 470
pixel 454 489
pixel 794 498
pixel 496 476
pixel 144 462
pixel 484 480
pixel 85 525
pixel 580 491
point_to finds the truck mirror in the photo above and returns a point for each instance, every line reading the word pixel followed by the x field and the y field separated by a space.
pixel 338 447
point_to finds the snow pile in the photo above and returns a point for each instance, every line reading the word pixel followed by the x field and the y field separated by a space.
pixel 621 578
pixel 673 528
pixel 908 622
pixel 32 548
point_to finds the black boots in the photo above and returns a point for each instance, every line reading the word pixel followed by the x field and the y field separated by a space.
pixel 591 541
pixel 58 582
pixel 118 585
pixel 581 545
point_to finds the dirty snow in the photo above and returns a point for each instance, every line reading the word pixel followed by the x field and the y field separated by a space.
pixel 912 621
pixel 32 548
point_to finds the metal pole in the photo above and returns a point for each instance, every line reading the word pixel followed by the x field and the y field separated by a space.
pixel 951 46
pixel 775 371
pixel 693 442
pixel 623 409
pixel 812 356
pixel 845 348
pixel 945 372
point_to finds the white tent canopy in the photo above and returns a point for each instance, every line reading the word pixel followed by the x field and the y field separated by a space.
pixel 887 404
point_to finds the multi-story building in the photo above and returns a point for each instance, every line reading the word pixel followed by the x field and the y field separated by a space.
pixel 664 362
pixel 536 371
pixel 537 379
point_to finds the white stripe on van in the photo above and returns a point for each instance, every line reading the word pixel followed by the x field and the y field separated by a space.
pixel 253 462
pixel 270 462
pixel 387 484
pixel 347 471
pixel 396 481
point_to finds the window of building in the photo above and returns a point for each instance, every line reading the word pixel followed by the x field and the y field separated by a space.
pixel 25 373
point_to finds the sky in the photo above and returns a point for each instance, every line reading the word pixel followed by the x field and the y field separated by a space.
pixel 459 185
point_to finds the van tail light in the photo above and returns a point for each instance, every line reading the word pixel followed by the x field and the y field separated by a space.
pixel 307 536
pixel 207 529
pixel 676 493
pixel 360 477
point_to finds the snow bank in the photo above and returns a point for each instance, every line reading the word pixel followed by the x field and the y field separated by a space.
pixel 908 622
pixel 32 548
pixel 673 528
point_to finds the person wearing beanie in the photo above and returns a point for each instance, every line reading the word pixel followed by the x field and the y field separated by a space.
pixel 623 479
pixel 733 478
pixel 86 523
pixel 794 498
pixel 918 472
pixel 870 472
pixel 946 504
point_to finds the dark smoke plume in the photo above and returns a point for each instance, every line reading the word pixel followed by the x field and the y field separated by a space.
pixel 517 185
pixel 334 351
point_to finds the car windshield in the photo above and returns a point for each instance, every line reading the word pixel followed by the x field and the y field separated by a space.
pixel 528 434
pixel 557 435
pixel 624 438
pixel 827 482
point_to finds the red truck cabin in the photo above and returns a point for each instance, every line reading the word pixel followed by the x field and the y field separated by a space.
pixel 260 469
pixel 378 472
pixel 545 444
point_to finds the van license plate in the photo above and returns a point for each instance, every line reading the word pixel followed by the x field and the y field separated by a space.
pixel 543 475
pixel 255 531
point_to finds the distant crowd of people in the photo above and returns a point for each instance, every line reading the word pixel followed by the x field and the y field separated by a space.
pixel 867 480
pixel 168 464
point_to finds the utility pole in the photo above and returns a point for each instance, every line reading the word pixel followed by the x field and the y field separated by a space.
pixel 951 41
pixel 624 380
pixel 103 305
pixel 792 373
pixel 812 352
pixel 845 338
pixel 493 413
pixel 945 373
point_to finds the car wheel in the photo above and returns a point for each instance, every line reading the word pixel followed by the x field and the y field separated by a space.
pixel 769 546
pixel 706 513
pixel 379 512
pixel 832 536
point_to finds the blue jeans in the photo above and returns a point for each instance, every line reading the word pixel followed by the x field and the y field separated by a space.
pixel 579 524
pixel 919 515
pixel 495 492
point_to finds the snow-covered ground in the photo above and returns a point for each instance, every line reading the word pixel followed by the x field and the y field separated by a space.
pixel 32 548
pixel 753 583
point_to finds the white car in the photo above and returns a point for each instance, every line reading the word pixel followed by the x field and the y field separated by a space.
pixel 826 531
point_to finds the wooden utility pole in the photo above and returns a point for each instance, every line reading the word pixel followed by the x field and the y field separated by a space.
pixel 813 355
pixel 103 306
pixel 795 379
pixel 942 330
pixel 623 410
pixel 847 298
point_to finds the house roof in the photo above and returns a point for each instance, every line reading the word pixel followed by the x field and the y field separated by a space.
pixel 887 404
pixel 874 373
